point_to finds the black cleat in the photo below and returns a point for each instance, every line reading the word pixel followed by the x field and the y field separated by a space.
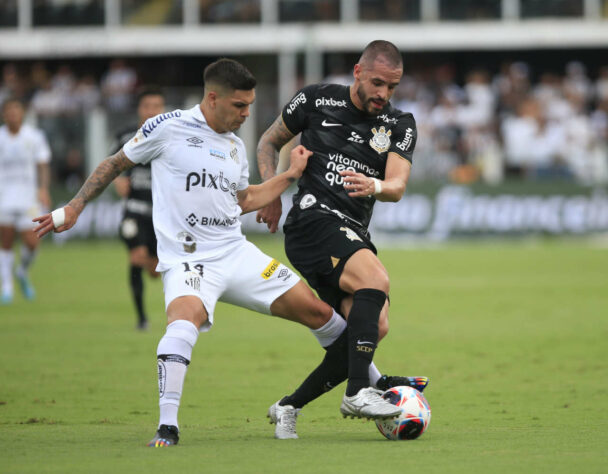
pixel 389 381
pixel 165 436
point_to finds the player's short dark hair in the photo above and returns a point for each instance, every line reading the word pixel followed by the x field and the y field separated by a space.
pixel 230 74
pixel 147 91
pixel 12 100
pixel 386 49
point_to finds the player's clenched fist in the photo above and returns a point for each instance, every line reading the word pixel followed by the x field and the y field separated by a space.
pixel 59 220
pixel 298 160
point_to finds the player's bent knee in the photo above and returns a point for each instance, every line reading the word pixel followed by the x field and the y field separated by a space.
pixel 188 308
pixel 299 304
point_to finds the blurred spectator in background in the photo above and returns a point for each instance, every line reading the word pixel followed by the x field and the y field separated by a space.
pixel 86 93
pixel 12 85
pixel 118 85
pixel 533 145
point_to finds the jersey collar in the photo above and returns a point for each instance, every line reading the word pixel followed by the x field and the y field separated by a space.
pixel 197 113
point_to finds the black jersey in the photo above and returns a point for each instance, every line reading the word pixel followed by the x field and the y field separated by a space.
pixel 343 137
pixel 139 199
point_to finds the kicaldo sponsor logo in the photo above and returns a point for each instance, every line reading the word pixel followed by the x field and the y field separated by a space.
pixel 329 101
pixel 270 269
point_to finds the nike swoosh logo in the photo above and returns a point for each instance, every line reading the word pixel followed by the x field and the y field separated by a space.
pixel 365 342
pixel 328 124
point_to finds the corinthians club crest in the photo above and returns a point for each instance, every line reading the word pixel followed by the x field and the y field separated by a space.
pixel 380 141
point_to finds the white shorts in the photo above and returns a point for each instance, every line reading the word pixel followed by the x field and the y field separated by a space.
pixel 20 219
pixel 245 277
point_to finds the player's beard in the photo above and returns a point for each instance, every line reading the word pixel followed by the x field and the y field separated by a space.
pixel 366 102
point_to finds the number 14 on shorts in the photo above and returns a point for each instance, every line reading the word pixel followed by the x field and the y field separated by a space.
pixel 193 275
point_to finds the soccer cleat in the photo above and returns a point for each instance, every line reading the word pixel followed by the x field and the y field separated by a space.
pixel 389 381
pixel 285 418
pixel 165 436
pixel 368 403
pixel 26 287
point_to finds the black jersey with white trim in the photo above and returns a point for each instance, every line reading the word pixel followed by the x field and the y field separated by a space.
pixel 139 199
pixel 344 137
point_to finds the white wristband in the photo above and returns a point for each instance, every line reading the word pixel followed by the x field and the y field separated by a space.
pixel 377 186
pixel 58 216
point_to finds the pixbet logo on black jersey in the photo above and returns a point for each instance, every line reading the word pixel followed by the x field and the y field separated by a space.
pixel 329 102
pixel 210 181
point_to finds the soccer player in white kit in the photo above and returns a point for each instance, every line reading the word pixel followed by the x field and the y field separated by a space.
pixel 199 188
pixel 24 193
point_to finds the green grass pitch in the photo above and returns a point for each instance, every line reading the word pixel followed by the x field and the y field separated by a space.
pixel 513 336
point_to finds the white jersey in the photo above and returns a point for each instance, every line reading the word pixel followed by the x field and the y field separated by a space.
pixel 196 174
pixel 19 156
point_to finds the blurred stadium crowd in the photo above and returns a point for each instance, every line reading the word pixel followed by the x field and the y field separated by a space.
pixel 484 126
pixel 169 12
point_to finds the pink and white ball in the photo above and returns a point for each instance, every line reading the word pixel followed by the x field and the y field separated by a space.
pixel 415 414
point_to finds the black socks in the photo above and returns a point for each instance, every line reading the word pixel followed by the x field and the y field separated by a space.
pixel 137 289
pixel 330 373
pixel 362 336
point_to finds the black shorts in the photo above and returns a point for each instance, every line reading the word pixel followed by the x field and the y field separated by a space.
pixel 137 230
pixel 318 245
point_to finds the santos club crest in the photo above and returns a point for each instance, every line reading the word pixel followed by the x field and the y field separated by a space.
pixel 380 141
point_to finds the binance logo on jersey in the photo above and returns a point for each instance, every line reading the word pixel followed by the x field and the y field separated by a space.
pixel 270 269
pixel 331 102
pixel 211 181
pixel 297 100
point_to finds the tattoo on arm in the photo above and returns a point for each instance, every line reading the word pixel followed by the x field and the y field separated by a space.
pixel 103 175
pixel 270 144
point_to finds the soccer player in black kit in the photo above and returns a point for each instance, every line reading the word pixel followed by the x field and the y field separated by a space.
pixel 362 153
pixel 136 228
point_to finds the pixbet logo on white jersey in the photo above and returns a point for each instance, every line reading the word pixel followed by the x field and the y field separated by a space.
pixel 212 181
pixel 331 102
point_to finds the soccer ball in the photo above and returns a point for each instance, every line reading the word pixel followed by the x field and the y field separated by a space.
pixel 415 414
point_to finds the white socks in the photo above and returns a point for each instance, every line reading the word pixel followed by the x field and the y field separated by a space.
pixel 332 329
pixel 6 271
pixel 374 375
pixel 174 353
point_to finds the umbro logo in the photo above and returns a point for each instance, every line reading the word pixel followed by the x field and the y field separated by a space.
pixel 325 123
pixel 195 142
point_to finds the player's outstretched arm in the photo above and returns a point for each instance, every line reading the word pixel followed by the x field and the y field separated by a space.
pixel 269 145
pixel 259 195
pixel 66 217
pixel 390 189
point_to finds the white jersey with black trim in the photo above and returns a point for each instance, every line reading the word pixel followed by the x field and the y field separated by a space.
pixel 196 174
pixel 19 156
